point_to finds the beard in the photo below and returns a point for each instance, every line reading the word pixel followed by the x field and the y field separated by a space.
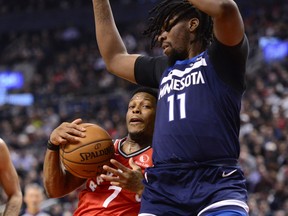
pixel 176 56
pixel 136 135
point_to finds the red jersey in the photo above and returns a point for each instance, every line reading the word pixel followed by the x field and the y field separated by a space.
pixel 101 198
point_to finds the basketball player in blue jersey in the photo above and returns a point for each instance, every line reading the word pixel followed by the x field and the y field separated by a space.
pixel 201 82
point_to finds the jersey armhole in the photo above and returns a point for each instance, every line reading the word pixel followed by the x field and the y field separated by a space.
pixel 229 62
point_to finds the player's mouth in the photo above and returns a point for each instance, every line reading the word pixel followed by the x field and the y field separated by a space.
pixel 165 47
pixel 134 121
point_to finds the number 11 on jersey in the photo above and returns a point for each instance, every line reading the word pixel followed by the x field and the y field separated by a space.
pixel 180 102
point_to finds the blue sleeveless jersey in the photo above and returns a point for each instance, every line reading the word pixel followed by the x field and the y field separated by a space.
pixel 198 114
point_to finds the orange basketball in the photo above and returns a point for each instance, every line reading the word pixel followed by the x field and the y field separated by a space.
pixel 86 158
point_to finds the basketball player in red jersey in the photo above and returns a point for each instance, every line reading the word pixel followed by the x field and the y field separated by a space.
pixel 118 192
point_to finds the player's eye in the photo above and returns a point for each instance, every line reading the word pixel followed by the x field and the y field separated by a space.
pixel 170 24
pixel 146 106
pixel 168 27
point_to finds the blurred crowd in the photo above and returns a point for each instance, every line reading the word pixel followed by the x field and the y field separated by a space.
pixel 67 77
pixel 16 6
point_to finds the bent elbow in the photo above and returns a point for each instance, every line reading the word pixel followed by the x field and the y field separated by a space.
pixel 50 190
pixel 53 193
pixel 18 196
pixel 227 7
pixel 109 68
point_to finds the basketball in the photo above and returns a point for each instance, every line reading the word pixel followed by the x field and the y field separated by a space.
pixel 86 158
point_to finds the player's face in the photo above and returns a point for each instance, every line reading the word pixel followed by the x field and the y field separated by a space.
pixel 175 40
pixel 141 115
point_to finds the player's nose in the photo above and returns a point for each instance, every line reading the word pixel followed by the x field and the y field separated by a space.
pixel 162 36
pixel 136 109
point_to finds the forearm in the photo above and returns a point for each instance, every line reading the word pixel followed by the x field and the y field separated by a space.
pixel 215 8
pixel 54 175
pixel 13 205
pixel 228 26
pixel 109 40
pixel 57 181
pixel 110 43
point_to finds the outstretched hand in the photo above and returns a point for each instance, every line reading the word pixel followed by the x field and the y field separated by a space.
pixel 68 132
pixel 129 179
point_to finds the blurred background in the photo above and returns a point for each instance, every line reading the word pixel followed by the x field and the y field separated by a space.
pixel 51 71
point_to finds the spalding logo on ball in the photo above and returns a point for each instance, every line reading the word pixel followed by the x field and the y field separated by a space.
pixel 86 158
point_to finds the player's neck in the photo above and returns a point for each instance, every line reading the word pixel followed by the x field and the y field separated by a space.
pixel 131 146
pixel 195 50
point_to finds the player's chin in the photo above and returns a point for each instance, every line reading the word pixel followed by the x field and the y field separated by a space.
pixel 166 52
pixel 135 133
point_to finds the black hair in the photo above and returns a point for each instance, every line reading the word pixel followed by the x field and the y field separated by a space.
pixel 162 13
pixel 147 90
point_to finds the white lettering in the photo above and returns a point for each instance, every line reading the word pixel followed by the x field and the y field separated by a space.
pixel 178 73
pixel 194 78
pixel 176 85
pixel 200 79
pixel 92 185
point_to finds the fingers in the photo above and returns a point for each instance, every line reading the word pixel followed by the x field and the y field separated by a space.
pixel 68 132
pixel 119 165
pixel 112 170
pixel 118 171
pixel 115 179
pixel 133 165
pixel 122 176
pixel 77 121
pixel 77 124
pixel 118 174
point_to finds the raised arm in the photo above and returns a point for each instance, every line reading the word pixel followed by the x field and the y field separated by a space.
pixel 57 181
pixel 9 182
pixel 110 43
pixel 228 24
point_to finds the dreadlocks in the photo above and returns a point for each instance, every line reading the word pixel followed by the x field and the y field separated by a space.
pixel 162 13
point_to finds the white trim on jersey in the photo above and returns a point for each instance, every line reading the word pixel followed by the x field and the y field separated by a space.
pixel 120 144
pixel 225 203
pixel 146 214
pixel 178 73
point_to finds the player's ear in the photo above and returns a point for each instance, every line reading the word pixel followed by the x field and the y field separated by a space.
pixel 193 24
